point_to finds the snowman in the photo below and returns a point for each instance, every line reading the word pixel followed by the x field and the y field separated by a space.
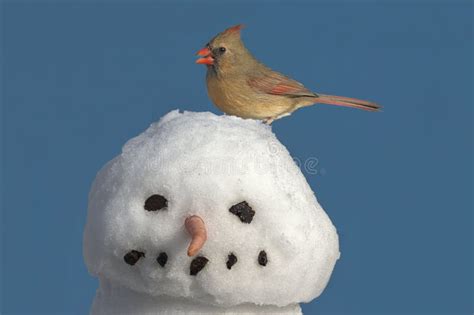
pixel 206 214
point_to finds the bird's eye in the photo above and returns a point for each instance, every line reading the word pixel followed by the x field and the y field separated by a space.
pixel 222 49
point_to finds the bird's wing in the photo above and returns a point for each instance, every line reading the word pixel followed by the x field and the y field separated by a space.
pixel 275 83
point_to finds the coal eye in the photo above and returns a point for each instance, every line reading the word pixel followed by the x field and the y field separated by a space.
pixel 222 49
pixel 155 202
pixel 243 211
pixel 133 256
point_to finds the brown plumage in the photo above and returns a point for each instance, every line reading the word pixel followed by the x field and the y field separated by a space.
pixel 238 84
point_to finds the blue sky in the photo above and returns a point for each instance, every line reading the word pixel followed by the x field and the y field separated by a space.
pixel 79 78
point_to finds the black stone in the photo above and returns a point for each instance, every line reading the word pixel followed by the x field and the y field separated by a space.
pixel 155 202
pixel 197 265
pixel 162 259
pixel 244 211
pixel 231 260
pixel 262 258
pixel 132 257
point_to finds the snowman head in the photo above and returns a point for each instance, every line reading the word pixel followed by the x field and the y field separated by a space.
pixel 268 240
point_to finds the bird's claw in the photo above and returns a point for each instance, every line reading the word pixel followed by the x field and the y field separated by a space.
pixel 268 121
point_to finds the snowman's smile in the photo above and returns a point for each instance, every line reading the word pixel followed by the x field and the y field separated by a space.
pixel 196 265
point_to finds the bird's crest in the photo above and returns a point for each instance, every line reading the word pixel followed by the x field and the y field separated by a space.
pixel 234 29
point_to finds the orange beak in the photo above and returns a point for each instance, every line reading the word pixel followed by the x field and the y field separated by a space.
pixel 207 58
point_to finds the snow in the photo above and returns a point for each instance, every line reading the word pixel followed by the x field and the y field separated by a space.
pixel 203 164
pixel 113 299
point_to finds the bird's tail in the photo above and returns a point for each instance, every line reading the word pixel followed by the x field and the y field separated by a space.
pixel 347 101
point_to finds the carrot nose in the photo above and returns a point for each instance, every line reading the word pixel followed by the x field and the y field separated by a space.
pixel 197 229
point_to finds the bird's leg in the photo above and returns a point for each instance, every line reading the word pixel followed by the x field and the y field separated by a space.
pixel 268 121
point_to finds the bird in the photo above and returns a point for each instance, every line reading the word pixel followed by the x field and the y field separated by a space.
pixel 240 85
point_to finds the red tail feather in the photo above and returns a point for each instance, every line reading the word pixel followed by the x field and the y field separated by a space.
pixel 347 101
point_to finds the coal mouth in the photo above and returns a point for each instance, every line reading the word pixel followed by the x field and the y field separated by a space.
pixel 196 265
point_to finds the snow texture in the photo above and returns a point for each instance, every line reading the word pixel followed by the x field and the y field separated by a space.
pixel 203 164
pixel 116 300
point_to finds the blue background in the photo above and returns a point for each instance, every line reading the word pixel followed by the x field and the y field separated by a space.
pixel 80 78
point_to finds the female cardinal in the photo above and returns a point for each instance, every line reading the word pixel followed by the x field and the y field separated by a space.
pixel 240 85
